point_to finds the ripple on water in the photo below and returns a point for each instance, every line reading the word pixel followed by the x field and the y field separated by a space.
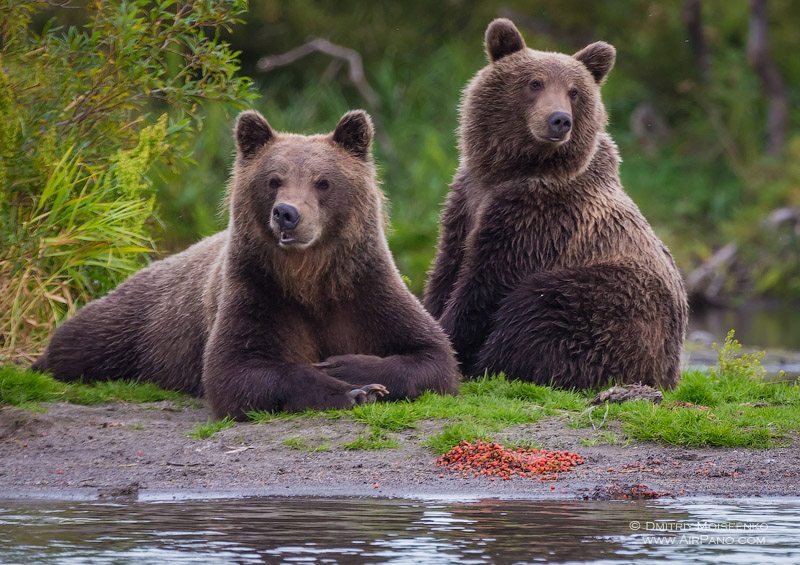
pixel 320 530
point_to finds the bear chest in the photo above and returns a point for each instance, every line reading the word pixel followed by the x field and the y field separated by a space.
pixel 530 232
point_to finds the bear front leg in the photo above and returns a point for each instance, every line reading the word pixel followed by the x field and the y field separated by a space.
pixel 236 388
pixel 493 264
pixel 405 376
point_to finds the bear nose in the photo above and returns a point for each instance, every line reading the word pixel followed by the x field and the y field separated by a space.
pixel 559 123
pixel 286 216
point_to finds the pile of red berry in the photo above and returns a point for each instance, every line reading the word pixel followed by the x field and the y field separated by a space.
pixel 488 459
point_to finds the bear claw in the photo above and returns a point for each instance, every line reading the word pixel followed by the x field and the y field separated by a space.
pixel 368 393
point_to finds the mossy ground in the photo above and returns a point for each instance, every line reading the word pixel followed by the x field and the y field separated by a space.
pixel 729 406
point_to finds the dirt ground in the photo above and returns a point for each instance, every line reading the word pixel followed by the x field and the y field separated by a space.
pixel 141 450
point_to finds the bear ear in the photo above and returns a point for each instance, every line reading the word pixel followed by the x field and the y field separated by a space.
pixel 252 133
pixel 599 58
pixel 354 133
pixel 502 38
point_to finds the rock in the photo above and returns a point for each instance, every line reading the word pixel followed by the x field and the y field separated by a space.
pixel 127 492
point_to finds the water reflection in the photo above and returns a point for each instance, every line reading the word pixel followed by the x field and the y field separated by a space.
pixel 776 327
pixel 392 531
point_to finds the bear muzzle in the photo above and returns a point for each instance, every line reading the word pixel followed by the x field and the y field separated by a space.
pixel 286 223
pixel 559 125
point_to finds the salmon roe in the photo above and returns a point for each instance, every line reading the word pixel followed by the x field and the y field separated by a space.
pixel 493 460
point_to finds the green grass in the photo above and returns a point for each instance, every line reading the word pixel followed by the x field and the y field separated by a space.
pixel 484 406
pixel 375 440
pixel 729 406
pixel 451 434
pixel 736 407
pixel 303 444
pixel 209 428
pixel 601 438
pixel 23 387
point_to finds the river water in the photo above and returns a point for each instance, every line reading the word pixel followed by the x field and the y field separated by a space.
pixel 375 530
pixel 766 327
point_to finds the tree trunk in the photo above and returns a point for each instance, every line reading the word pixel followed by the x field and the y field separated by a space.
pixel 693 18
pixel 771 79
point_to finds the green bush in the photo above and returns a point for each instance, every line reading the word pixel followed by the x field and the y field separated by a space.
pixel 85 113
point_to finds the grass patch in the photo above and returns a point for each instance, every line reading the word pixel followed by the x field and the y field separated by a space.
pixel 483 406
pixel 731 405
pixel 451 434
pixel 303 444
pixel 209 428
pixel 375 440
pixel 601 438
pixel 23 387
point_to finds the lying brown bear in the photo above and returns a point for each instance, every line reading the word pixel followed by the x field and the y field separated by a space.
pixel 546 269
pixel 298 304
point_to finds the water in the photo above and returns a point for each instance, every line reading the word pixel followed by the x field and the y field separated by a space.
pixel 760 326
pixel 373 530
pixel 775 329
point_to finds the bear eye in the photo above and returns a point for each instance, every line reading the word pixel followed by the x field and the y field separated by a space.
pixel 322 184
pixel 536 84
pixel 275 183
pixel 573 93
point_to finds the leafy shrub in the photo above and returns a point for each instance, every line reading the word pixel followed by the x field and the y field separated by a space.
pixel 85 113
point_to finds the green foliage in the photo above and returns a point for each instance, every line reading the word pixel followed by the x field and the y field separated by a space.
pixel 732 364
pixel 21 387
pixel 210 427
pixel 85 114
pixel 707 184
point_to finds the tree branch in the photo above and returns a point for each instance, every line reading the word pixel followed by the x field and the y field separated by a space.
pixel 319 45
pixel 355 74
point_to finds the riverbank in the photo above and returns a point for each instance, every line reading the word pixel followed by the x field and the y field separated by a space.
pixel 727 431
pixel 126 450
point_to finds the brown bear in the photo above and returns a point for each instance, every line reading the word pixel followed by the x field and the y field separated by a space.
pixel 298 304
pixel 546 270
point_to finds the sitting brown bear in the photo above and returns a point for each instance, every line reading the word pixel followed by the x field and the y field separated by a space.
pixel 298 304
pixel 546 270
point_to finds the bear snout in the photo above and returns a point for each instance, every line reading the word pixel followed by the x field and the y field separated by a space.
pixel 286 216
pixel 559 125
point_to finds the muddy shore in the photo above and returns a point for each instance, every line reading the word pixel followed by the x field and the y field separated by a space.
pixel 142 451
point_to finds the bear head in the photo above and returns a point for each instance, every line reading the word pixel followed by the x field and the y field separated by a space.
pixel 295 192
pixel 533 113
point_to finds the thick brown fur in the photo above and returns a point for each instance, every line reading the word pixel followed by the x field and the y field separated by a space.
pixel 255 323
pixel 546 270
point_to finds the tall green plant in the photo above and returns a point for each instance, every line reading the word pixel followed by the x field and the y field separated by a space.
pixel 85 113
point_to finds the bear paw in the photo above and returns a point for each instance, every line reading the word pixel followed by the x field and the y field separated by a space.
pixel 368 393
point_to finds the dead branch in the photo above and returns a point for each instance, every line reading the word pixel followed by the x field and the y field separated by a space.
pixel 319 45
pixel 771 79
pixel 787 216
pixel 355 74
pixel 706 281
